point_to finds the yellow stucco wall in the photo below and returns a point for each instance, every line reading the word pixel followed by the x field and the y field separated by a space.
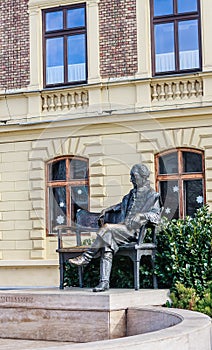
pixel 112 148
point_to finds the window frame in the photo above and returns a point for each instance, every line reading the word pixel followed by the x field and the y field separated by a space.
pixel 68 183
pixel 64 33
pixel 175 18
pixel 180 176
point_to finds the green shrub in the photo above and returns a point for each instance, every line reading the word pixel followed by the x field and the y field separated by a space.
pixel 204 305
pixel 187 298
pixel 184 252
pixel 184 298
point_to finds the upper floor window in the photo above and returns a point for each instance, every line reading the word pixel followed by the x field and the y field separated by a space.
pixel 180 181
pixel 176 44
pixel 67 190
pixel 64 40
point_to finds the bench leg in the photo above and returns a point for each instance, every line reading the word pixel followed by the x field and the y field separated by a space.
pixel 155 282
pixel 136 264
pixel 61 263
pixel 80 274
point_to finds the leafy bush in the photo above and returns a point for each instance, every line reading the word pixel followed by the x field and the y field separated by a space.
pixel 184 298
pixel 184 252
pixel 204 305
pixel 187 298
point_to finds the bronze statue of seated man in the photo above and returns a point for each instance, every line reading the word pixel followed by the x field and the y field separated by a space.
pixel 140 206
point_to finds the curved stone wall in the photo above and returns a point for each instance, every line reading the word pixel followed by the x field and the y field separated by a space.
pixel 187 330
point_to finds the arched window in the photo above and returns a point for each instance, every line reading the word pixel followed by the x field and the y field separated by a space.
pixel 180 181
pixel 67 190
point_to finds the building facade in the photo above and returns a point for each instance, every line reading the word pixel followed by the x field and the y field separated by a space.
pixel 88 89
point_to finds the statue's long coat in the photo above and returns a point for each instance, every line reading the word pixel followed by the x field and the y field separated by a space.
pixel 143 201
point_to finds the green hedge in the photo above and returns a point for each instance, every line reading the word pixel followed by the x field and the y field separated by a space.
pixel 184 252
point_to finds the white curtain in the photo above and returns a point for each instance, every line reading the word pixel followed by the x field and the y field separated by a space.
pixel 188 59
pixel 55 75
pixel 76 72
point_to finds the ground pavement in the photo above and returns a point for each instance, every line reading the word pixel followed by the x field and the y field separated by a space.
pixel 11 344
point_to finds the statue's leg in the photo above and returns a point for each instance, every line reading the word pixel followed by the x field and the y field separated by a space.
pixel 105 270
pixel 86 257
pixel 109 236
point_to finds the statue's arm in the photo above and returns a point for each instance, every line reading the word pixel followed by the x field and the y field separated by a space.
pixel 114 208
pixel 153 215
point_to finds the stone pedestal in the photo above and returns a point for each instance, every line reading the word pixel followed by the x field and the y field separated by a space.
pixel 76 315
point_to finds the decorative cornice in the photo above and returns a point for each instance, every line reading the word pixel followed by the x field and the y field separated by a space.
pixel 33 4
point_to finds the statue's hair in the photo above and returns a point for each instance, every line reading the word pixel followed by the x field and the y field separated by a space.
pixel 142 170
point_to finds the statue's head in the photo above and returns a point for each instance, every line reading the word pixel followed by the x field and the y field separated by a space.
pixel 139 175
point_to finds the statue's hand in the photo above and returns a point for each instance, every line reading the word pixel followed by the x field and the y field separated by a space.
pixel 106 210
pixel 136 221
pixel 101 217
pixel 102 213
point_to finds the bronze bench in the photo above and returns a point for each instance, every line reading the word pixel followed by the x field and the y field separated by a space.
pixel 89 222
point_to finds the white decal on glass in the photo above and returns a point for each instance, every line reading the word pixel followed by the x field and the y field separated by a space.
pixel 60 219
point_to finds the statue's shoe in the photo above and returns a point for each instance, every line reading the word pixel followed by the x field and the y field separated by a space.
pixel 102 286
pixel 79 261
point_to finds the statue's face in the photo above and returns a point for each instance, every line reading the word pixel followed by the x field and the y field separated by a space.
pixel 136 178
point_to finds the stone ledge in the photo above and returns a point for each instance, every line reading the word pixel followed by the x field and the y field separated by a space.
pixel 74 314
pixel 28 263
pixel 82 299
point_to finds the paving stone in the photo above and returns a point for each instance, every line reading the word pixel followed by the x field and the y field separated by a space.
pixel 17 344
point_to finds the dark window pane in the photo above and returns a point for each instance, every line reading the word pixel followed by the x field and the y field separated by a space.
pixel 164 47
pixel 193 196
pixel 192 162
pixel 76 18
pixel 187 6
pixel 57 206
pixel 169 191
pixel 78 169
pixel 168 164
pixel 76 58
pixel 57 171
pixel 79 199
pixel 188 44
pixel 54 60
pixel 54 20
pixel 163 7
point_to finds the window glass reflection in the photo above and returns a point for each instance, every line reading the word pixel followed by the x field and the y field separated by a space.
pixel 76 17
pixel 164 47
pixel 76 58
pixel 188 44
pixel 57 206
pixel 57 170
pixel 187 6
pixel 168 164
pixel 54 20
pixel 79 199
pixel 192 162
pixel 78 169
pixel 54 60
pixel 193 196
pixel 169 191
pixel 163 7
